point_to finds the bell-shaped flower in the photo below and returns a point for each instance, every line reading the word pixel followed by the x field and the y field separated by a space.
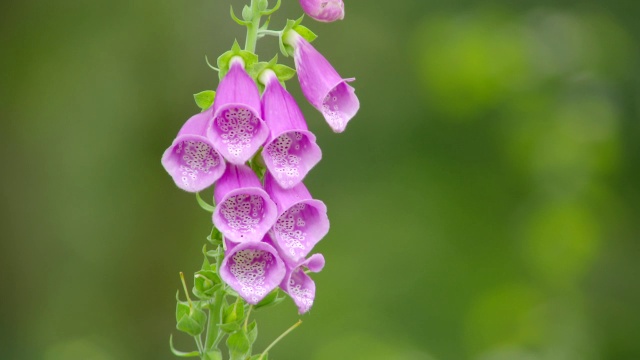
pixel 236 129
pixel 192 159
pixel 323 10
pixel 291 150
pixel 299 285
pixel 252 269
pixel 244 211
pixel 321 84
pixel 302 221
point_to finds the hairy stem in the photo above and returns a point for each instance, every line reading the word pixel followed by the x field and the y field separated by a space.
pixel 252 29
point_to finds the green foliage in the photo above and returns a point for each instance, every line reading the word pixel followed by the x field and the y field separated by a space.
pixel 204 99
pixel 191 322
pixel 239 346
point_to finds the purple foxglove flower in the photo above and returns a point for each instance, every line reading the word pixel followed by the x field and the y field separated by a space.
pixel 236 129
pixel 323 10
pixel 191 159
pixel 253 270
pixel 302 221
pixel 290 151
pixel 321 84
pixel 299 285
pixel 244 211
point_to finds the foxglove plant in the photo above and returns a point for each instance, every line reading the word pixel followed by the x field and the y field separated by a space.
pixel 252 143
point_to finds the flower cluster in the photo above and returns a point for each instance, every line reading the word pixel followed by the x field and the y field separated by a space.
pixel 270 225
pixel 251 142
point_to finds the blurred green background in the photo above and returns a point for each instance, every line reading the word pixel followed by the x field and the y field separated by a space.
pixel 484 202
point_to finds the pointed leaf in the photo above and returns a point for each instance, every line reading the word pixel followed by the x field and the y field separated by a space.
pixel 213 355
pixel 204 100
pixel 252 332
pixel 203 204
pixel 182 353
pixel 238 345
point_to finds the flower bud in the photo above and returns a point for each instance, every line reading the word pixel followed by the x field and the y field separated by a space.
pixel 323 10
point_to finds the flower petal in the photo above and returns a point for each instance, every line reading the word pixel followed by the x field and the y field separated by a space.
pixel 192 160
pixel 244 211
pixel 302 221
pixel 321 84
pixel 290 151
pixel 253 270
pixel 236 129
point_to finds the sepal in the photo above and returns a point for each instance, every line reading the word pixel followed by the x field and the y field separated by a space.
pixel 213 355
pixel 283 72
pixel 224 61
pixel 285 48
pixel 204 99
pixel 206 283
pixel 239 346
pixel 193 321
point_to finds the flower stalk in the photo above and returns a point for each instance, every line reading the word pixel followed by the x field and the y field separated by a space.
pixel 251 142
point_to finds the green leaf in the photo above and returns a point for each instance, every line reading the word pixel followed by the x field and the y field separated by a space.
pixel 205 284
pixel 203 204
pixel 215 238
pixel 247 14
pixel 182 309
pixel 182 353
pixel 257 357
pixel 213 355
pixel 229 328
pixel 257 164
pixel 235 18
pixel 252 332
pixel 272 299
pixel 274 9
pixel 204 100
pixel 238 345
pixel 193 323
pixel 305 32
pixel 234 312
pixel 263 4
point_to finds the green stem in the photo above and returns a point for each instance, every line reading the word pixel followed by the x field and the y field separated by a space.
pixel 199 344
pixel 252 29
pixel 186 292
pixel 275 33
pixel 246 320
pixel 279 338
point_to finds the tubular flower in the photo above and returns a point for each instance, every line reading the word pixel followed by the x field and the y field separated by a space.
pixel 321 84
pixel 244 211
pixel 253 270
pixel 323 10
pixel 299 285
pixel 291 150
pixel 302 221
pixel 191 159
pixel 236 129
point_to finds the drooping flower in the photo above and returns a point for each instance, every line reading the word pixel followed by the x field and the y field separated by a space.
pixel 252 269
pixel 244 211
pixel 321 84
pixel 236 129
pixel 323 10
pixel 192 160
pixel 299 285
pixel 302 221
pixel 291 150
